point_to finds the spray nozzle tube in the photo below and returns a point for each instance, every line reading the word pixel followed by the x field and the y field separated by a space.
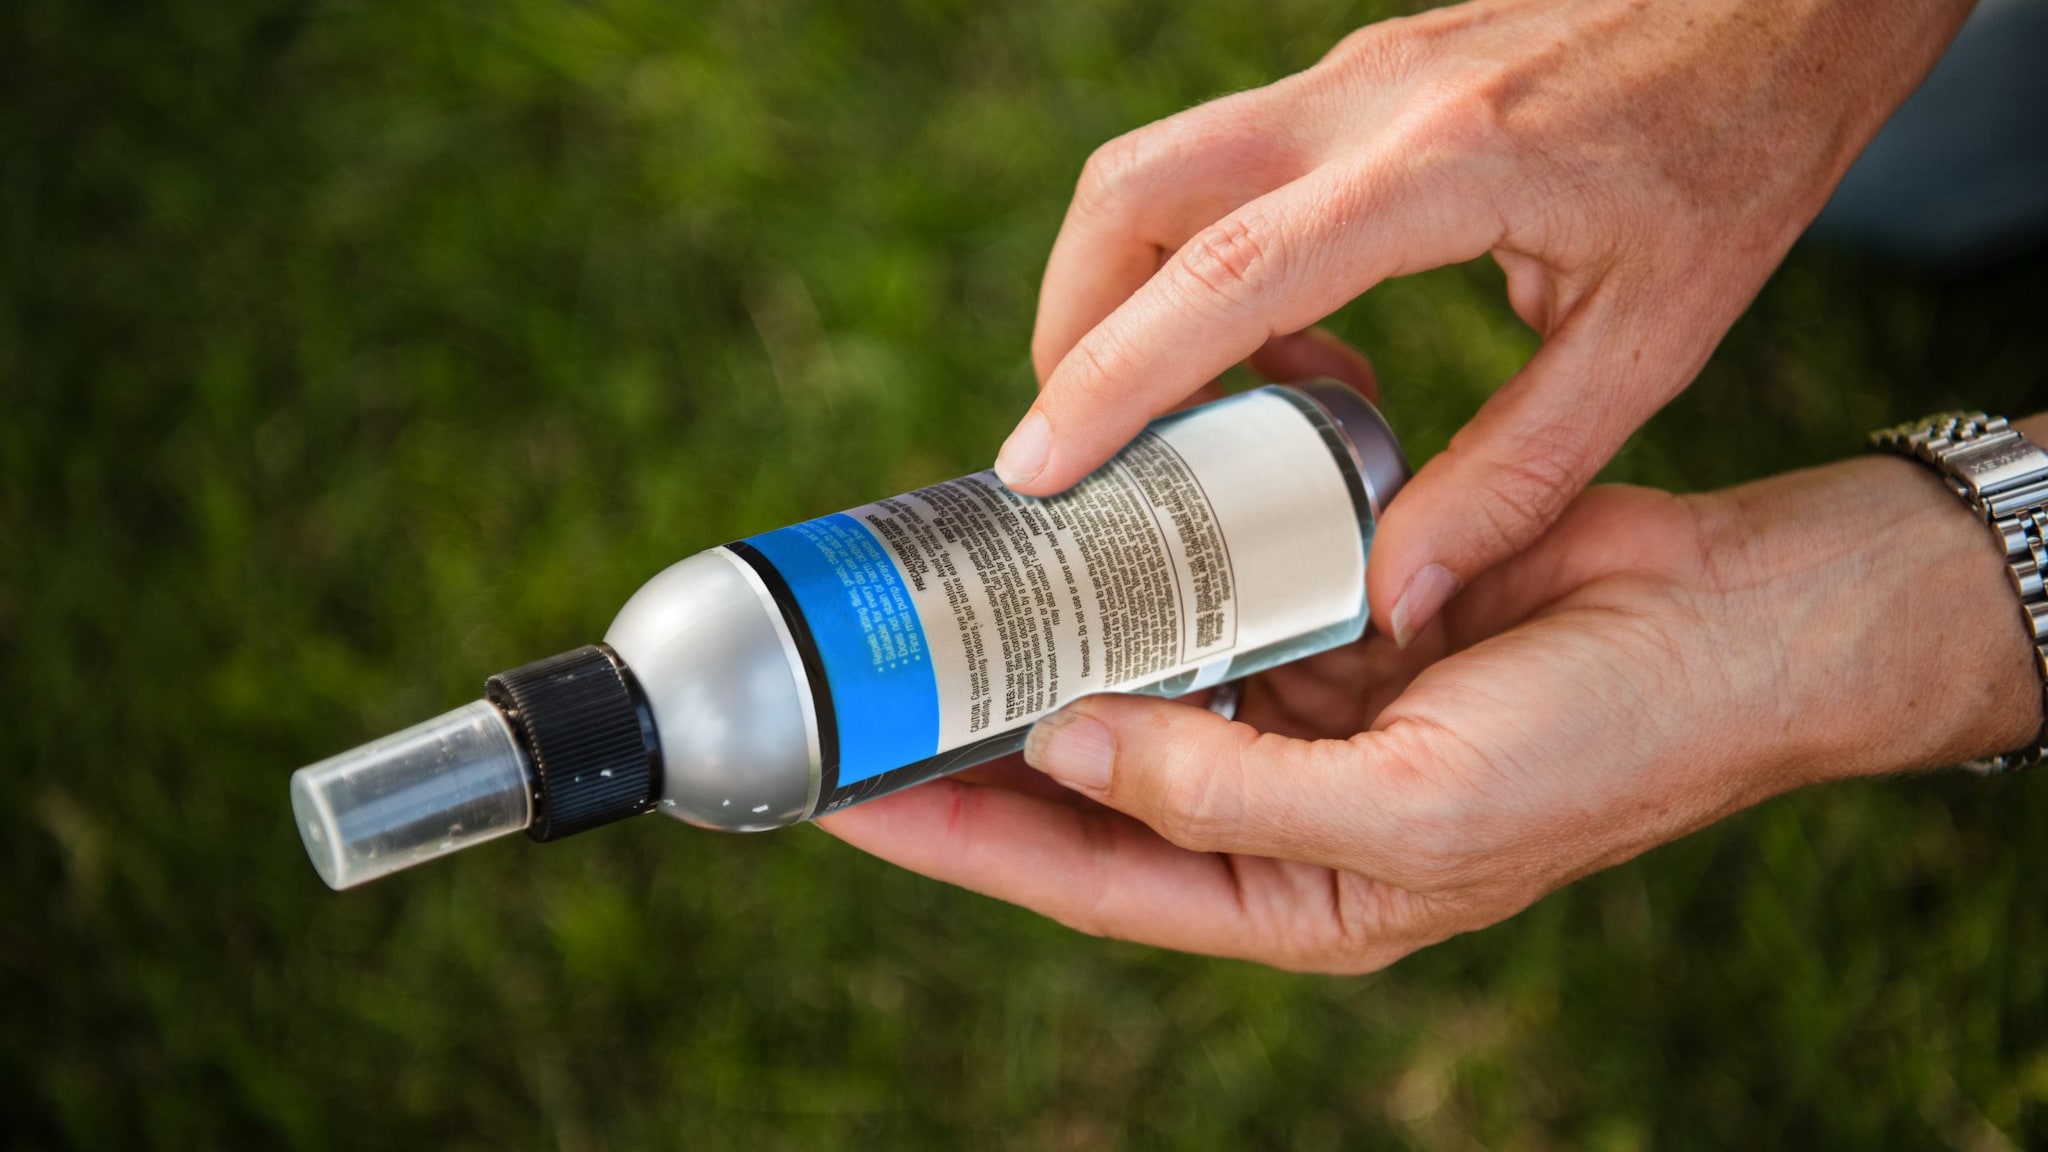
pixel 559 746
pixel 456 780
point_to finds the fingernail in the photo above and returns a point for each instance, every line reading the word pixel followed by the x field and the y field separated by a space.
pixel 1072 749
pixel 1023 455
pixel 1420 602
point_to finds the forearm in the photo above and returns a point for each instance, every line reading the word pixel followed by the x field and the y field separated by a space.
pixel 1884 606
pixel 1882 51
pixel 1823 75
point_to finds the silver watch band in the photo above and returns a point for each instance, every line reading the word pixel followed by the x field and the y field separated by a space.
pixel 2002 477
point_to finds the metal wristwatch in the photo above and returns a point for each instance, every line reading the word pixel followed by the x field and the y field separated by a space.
pixel 2002 477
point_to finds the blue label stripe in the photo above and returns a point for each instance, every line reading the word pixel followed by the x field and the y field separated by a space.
pixel 885 696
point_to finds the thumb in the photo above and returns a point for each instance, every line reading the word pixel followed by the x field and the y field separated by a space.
pixel 1513 470
pixel 1208 784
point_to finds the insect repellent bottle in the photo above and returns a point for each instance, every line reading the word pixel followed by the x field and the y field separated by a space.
pixel 802 670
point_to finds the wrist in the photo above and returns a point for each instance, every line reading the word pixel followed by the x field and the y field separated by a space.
pixel 1890 635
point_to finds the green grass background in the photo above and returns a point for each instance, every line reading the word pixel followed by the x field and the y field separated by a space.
pixel 350 352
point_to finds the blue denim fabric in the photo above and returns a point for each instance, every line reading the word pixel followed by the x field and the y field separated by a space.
pixel 1961 170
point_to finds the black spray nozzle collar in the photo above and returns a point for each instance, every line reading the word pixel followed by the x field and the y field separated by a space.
pixel 585 727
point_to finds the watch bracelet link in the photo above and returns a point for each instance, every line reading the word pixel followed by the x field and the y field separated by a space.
pixel 2002 477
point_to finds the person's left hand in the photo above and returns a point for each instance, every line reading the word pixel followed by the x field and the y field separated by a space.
pixel 1651 665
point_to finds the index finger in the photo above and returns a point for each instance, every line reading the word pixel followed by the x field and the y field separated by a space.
pixel 1275 265
pixel 1140 197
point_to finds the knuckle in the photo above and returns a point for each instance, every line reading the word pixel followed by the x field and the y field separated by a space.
pixel 1462 109
pixel 1529 486
pixel 1328 953
pixel 1476 113
pixel 1190 816
pixel 1229 262
pixel 1453 140
pixel 1450 98
pixel 1374 52
pixel 1098 368
pixel 1366 925
pixel 1113 169
pixel 1200 802
pixel 1434 842
pixel 1434 832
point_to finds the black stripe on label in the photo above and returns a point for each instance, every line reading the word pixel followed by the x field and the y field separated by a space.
pixel 930 768
pixel 814 667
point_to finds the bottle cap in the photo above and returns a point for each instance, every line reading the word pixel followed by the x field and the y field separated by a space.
pixel 595 755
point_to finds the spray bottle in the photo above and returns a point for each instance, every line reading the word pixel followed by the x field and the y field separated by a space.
pixel 796 672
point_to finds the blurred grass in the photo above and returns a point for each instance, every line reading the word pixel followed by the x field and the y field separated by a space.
pixel 350 352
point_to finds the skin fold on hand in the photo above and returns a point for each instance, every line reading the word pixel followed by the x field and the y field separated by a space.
pixel 1651 664
pixel 1637 168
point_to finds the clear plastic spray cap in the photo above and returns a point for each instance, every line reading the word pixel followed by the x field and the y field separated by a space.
pixel 456 780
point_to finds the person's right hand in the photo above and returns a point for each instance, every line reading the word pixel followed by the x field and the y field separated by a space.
pixel 1637 170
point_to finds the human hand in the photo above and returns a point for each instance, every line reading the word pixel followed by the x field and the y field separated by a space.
pixel 1637 170
pixel 1651 665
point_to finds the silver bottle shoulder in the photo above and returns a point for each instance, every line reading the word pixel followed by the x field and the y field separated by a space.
pixel 721 674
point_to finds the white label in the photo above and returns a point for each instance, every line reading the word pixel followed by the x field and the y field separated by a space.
pixel 1218 531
